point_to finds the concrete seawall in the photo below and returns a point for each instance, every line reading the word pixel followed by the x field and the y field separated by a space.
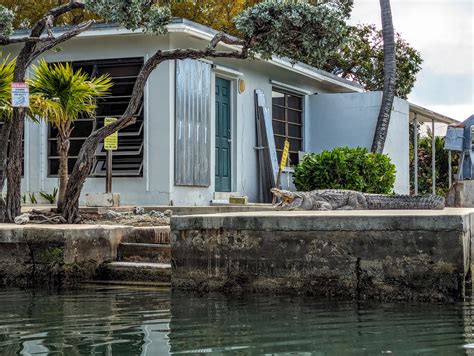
pixel 63 255
pixel 387 255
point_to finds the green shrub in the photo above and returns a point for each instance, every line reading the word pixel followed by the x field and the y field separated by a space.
pixel 346 168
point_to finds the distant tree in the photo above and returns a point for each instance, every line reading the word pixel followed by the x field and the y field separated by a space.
pixel 361 60
pixel 63 96
pixel 389 78
pixel 29 12
pixel 218 14
pixel 293 29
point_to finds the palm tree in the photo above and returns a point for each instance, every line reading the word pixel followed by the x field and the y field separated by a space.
pixel 390 68
pixel 61 95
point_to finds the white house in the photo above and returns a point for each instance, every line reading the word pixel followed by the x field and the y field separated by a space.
pixel 195 135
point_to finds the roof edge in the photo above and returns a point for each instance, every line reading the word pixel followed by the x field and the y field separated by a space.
pixel 183 25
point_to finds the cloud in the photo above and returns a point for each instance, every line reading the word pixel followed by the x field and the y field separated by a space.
pixel 433 87
pixel 443 31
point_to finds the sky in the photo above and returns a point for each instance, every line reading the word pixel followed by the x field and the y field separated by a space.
pixel 443 31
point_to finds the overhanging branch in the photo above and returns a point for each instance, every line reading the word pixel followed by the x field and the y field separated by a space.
pixel 53 42
pixel 224 38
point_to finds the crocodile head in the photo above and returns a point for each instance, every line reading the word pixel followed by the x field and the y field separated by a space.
pixel 288 200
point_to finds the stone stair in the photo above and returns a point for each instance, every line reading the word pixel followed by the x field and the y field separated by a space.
pixel 143 258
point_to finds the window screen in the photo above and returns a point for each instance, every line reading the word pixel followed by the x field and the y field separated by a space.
pixel 287 119
pixel 128 159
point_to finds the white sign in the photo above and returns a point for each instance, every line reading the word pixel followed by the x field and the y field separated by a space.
pixel 454 139
pixel 20 95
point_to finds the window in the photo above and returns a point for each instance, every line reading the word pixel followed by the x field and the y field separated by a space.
pixel 287 119
pixel 128 159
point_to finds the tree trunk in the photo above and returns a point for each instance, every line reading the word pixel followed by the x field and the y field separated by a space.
pixel 15 149
pixel 390 64
pixel 29 52
pixel 85 158
pixel 4 140
pixel 14 167
pixel 63 151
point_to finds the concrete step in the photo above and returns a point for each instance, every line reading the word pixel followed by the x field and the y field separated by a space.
pixel 224 195
pixel 149 235
pixel 141 252
pixel 135 272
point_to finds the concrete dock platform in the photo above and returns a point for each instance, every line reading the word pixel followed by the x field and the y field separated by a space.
pixel 386 255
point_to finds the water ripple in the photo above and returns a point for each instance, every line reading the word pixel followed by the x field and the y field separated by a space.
pixel 118 321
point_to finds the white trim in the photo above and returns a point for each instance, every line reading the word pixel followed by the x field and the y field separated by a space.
pixel 147 130
pixel 297 68
pixel 43 153
pixel 227 72
pixel 291 88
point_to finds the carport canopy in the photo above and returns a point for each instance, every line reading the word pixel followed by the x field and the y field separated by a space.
pixel 419 114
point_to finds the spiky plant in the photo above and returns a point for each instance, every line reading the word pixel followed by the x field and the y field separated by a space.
pixel 61 96
pixel 7 68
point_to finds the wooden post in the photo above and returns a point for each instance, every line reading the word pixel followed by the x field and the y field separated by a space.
pixel 450 169
pixel 108 174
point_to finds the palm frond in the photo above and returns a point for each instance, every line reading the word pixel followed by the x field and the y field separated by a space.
pixel 63 94
pixel 7 68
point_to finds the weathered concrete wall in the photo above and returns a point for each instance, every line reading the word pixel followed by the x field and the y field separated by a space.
pixel 402 255
pixel 55 255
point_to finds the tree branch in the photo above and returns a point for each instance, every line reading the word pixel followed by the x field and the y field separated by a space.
pixel 5 41
pixel 53 14
pixel 53 42
pixel 224 38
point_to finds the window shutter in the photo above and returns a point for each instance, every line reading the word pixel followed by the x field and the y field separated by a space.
pixel 193 120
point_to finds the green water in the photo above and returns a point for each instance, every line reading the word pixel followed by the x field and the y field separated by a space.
pixel 116 321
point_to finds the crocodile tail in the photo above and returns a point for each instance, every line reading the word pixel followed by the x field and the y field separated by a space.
pixel 404 202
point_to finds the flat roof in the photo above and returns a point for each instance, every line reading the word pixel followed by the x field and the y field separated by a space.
pixel 425 115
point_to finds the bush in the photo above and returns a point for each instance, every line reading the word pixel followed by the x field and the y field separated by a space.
pixel 425 177
pixel 346 168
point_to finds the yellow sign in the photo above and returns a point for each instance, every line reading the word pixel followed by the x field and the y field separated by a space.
pixel 111 142
pixel 284 156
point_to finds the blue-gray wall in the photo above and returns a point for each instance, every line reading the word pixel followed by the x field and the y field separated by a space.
pixel 349 120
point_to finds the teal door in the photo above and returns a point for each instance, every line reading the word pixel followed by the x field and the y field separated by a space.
pixel 223 136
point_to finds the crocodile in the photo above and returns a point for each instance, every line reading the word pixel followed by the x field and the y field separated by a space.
pixel 335 199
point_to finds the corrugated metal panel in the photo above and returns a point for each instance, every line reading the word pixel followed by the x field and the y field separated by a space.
pixel 193 120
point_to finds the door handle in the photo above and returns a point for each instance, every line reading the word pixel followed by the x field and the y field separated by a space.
pixel 229 140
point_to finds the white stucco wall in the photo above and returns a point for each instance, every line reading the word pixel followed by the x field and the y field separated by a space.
pixel 157 187
pixel 257 75
pixel 350 120
pixel 153 187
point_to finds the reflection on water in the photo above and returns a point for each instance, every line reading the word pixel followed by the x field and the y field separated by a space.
pixel 119 321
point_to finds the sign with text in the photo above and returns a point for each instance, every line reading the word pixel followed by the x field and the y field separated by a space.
pixel 284 156
pixel 111 142
pixel 20 95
